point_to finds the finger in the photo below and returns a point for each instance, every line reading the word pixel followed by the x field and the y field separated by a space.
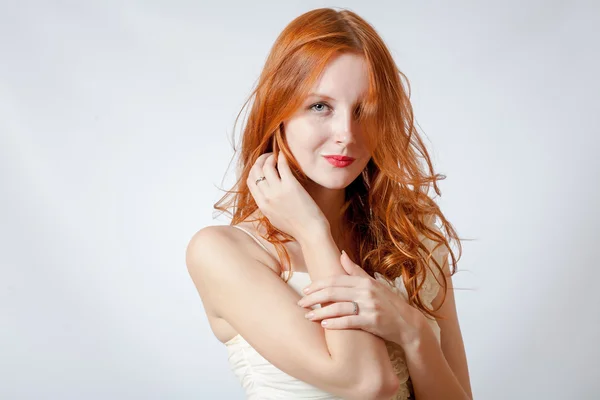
pixel 352 268
pixel 260 161
pixel 256 185
pixel 284 168
pixel 347 322
pixel 330 294
pixel 259 197
pixel 253 175
pixel 331 311
pixel 269 170
pixel 335 280
pixel 257 171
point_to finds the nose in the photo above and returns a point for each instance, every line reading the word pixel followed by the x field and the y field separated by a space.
pixel 345 128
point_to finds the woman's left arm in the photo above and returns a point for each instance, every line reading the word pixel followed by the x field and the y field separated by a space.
pixel 437 370
pixel 440 372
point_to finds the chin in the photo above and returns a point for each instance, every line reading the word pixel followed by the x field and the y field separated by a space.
pixel 334 183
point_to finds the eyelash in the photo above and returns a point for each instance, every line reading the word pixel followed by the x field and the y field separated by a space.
pixel 316 104
pixel 357 111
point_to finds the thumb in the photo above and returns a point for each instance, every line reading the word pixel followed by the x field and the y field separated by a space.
pixel 349 266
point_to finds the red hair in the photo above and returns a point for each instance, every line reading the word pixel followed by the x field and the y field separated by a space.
pixel 387 206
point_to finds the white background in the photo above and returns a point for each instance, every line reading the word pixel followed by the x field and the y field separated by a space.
pixel 115 127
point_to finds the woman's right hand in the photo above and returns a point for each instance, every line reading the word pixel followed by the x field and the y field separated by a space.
pixel 282 199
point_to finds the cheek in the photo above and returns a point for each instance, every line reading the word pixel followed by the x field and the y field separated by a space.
pixel 305 137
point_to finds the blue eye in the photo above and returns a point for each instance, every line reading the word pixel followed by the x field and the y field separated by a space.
pixel 318 104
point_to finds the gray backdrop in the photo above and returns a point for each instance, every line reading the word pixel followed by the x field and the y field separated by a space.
pixel 115 120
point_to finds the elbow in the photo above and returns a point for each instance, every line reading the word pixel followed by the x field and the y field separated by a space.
pixel 375 389
pixel 374 383
pixel 388 391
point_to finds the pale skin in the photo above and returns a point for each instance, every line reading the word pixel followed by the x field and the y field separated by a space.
pixel 233 286
pixel 235 281
pixel 389 316
pixel 382 312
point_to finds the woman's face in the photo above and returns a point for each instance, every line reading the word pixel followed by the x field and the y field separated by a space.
pixel 326 124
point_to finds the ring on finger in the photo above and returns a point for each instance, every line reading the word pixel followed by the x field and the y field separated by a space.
pixel 262 178
pixel 355 311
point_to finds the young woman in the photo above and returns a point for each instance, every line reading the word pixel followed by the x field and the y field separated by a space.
pixel 330 162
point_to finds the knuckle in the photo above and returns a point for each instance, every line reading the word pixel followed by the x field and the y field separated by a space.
pixel 370 294
pixel 371 284
pixel 377 306
pixel 377 318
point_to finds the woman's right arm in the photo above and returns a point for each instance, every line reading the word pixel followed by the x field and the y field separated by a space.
pixel 262 308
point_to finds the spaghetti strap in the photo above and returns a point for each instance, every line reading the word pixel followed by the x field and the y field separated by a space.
pixel 265 248
pixel 253 237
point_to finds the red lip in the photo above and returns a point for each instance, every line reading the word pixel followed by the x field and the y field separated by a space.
pixel 339 161
pixel 340 158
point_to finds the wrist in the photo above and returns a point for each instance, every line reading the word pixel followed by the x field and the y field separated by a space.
pixel 424 339
pixel 314 233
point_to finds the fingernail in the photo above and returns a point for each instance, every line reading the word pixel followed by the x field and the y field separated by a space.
pixel 305 290
pixel 309 315
pixel 323 323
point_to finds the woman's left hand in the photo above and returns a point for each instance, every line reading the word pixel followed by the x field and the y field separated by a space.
pixel 380 311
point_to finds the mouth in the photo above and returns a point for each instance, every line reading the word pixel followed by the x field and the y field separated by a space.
pixel 339 161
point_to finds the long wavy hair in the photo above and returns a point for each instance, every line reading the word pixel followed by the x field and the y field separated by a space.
pixel 387 206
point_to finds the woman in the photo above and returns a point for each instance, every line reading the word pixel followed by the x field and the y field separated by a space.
pixel 329 162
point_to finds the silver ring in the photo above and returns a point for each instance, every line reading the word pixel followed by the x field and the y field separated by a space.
pixel 355 304
pixel 262 178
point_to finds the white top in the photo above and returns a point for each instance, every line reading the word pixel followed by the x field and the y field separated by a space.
pixel 262 380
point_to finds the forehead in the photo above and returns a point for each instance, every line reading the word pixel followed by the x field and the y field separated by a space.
pixel 345 78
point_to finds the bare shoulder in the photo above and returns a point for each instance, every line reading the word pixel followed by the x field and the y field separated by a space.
pixel 204 241
pixel 211 241
pixel 204 244
pixel 262 308
pixel 254 301
pixel 212 233
pixel 216 252
pixel 210 244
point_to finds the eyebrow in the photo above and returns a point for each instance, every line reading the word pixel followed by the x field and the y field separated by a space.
pixel 328 97
pixel 320 95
